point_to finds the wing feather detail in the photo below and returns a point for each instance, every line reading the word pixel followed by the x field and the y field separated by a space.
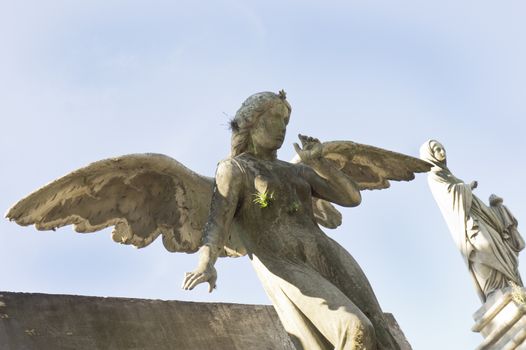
pixel 371 167
pixel 141 195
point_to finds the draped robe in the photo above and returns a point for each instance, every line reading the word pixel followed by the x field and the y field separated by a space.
pixel 476 228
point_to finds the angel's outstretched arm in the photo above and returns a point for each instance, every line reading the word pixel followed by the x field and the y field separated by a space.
pixel 227 189
pixel 326 181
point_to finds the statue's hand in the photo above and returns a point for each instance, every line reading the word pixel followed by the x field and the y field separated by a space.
pixel 473 184
pixel 312 148
pixel 200 275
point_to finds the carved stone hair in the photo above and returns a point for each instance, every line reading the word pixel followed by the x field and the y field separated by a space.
pixel 248 115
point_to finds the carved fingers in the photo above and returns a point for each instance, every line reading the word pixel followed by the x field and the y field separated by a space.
pixel 192 279
pixel 311 148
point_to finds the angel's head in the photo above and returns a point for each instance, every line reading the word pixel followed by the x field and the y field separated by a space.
pixel 260 123
pixel 433 152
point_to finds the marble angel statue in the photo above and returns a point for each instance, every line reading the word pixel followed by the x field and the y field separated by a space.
pixel 486 236
pixel 256 205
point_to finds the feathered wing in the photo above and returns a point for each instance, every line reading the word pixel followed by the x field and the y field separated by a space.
pixel 141 195
pixel 370 167
pixel 325 213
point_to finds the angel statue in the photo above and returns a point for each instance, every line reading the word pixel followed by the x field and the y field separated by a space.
pixel 256 205
pixel 486 236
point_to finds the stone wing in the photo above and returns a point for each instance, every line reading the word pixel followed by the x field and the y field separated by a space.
pixel 326 213
pixel 141 195
pixel 371 167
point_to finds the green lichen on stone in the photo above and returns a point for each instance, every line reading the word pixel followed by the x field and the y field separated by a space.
pixel 294 207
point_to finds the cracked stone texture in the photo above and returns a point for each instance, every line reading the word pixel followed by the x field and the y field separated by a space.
pixel 53 322
pixel 43 321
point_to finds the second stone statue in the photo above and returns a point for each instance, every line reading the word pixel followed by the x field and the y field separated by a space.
pixel 486 236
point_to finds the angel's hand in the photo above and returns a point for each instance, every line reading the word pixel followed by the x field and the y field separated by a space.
pixel 201 275
pixel 312 148
pixel 473 184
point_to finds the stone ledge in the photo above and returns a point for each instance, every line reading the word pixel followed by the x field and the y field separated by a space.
pixel 33 321
pixel 43 321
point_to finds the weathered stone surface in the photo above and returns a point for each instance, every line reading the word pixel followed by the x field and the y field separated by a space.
pixel 502 320
pixel 397 333
pixel 52 322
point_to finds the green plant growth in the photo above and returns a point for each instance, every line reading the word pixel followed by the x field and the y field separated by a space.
pixel 294 207
pixel 517 293
pixel 263 199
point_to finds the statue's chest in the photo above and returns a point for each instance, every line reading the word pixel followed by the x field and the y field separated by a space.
pixel 276 186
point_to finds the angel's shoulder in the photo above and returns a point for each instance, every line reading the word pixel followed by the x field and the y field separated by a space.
pixel 231 168
pixel 303 169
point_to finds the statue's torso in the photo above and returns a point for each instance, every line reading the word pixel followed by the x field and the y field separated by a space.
pixel 282 224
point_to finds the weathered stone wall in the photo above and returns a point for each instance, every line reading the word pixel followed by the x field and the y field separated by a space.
pixel 52 322
pixel 56 322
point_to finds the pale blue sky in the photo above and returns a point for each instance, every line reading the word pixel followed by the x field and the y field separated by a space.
pixel 86 80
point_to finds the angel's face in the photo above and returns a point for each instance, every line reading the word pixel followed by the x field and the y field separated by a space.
pixel 269 132
pixel 438 151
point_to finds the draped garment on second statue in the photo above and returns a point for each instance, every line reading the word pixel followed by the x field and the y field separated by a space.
pixel 476 229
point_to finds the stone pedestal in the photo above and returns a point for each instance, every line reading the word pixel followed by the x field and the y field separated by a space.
pixel 502 321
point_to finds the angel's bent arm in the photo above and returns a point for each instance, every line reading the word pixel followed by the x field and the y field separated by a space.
pixel 331 184
pixel 227 189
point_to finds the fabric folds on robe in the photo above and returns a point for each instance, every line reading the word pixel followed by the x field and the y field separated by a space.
pixel 476 228
pixel 511 234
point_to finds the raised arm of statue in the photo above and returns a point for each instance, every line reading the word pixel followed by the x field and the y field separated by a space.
pixel 327 182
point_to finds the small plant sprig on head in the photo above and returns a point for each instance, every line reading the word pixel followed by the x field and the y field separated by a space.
pixel 263 199
pixel 517 293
